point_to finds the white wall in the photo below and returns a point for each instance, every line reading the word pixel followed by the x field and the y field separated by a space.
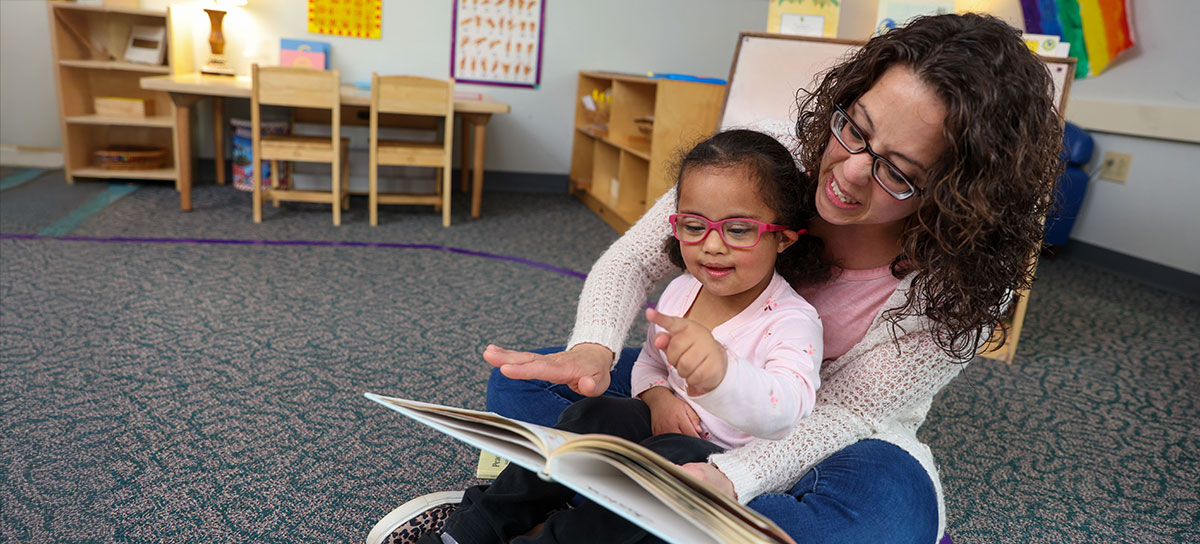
pixel 28 105
pixel 688 36
pixel 1153 216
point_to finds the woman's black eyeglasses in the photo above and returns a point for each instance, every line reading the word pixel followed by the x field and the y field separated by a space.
pixel 885 173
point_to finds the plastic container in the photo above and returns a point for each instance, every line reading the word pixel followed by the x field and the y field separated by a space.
pixel 243 155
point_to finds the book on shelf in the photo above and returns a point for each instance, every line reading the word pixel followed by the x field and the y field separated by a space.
pixel 627 478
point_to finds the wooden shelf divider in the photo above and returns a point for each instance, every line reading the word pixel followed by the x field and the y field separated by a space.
pixel 73 6
pixel 161 121
pixel 105 173
pixel 116 65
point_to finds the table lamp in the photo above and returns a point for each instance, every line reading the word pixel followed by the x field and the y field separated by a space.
pixel 216 64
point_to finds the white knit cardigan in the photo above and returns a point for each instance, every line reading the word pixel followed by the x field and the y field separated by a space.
pixel 880 389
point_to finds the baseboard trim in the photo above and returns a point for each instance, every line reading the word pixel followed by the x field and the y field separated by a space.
pixel 523 182
pixel 30 157
pixel 1164 277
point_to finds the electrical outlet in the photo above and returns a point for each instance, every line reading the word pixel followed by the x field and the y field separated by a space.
pixel 1116 166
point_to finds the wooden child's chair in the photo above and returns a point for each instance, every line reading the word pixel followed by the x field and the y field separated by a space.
pixel 412 96
pixel 300 88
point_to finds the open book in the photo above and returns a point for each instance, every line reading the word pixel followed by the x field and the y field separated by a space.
pixel 625 477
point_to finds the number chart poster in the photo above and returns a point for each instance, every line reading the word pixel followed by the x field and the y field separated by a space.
pixel 351 18
pixel 498 42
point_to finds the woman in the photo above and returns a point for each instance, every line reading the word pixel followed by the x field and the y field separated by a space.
pixel 931 153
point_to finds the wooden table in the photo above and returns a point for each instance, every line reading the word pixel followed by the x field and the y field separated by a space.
pixel 188 89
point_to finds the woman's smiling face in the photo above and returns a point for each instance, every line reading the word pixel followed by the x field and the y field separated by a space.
pixel 902 119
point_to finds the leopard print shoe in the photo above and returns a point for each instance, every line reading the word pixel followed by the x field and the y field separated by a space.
pixel 414 519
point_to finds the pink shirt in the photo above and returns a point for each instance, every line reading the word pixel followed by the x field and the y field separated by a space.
pixel 849 303
pixel 773 349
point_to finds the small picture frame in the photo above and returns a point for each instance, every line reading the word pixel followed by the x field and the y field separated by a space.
pixel 147 44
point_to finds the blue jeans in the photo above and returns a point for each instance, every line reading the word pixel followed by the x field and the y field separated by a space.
pixel 871 491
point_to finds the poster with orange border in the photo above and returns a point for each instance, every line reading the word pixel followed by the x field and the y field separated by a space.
pixel 497 42
pixel 350 18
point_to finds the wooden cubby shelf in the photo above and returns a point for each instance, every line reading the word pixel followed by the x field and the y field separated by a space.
pixel 620 162
pixel 89 44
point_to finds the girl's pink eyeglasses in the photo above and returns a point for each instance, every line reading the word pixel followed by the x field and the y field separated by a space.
pixel 736 232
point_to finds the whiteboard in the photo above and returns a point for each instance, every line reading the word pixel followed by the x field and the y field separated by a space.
pixel 768 70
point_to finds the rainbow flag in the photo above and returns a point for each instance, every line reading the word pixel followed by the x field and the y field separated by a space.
pixel 1098 30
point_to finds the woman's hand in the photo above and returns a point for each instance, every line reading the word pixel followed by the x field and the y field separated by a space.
pixel 711 475
pixel 692 350
pixel 584 368
pixel 669 413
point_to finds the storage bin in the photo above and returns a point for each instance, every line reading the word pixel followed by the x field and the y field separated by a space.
pixel 243 156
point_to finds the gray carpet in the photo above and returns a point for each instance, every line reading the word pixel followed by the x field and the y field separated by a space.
pixel 164 384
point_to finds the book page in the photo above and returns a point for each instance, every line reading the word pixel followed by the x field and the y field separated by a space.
pixel 523 443
pixel 688 501
pixel 605 483
pixel 490 465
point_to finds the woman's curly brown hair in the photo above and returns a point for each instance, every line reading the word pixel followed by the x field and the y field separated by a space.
pixel 777 180
pixel 980 217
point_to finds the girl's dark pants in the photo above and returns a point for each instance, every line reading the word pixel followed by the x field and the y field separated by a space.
pixel 519 499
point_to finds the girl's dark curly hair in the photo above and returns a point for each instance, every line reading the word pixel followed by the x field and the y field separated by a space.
pixel 979 223
pixel 777 179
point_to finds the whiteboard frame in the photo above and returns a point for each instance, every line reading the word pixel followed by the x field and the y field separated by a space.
pixel 769 69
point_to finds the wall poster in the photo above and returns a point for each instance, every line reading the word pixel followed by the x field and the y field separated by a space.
pixel 351 18
pixel 497 42
pixel 814 18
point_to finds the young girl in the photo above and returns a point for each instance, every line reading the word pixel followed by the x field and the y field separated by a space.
pixel 732 354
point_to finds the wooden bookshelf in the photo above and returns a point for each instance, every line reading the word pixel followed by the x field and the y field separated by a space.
pixel 88 44
pixel 617 169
